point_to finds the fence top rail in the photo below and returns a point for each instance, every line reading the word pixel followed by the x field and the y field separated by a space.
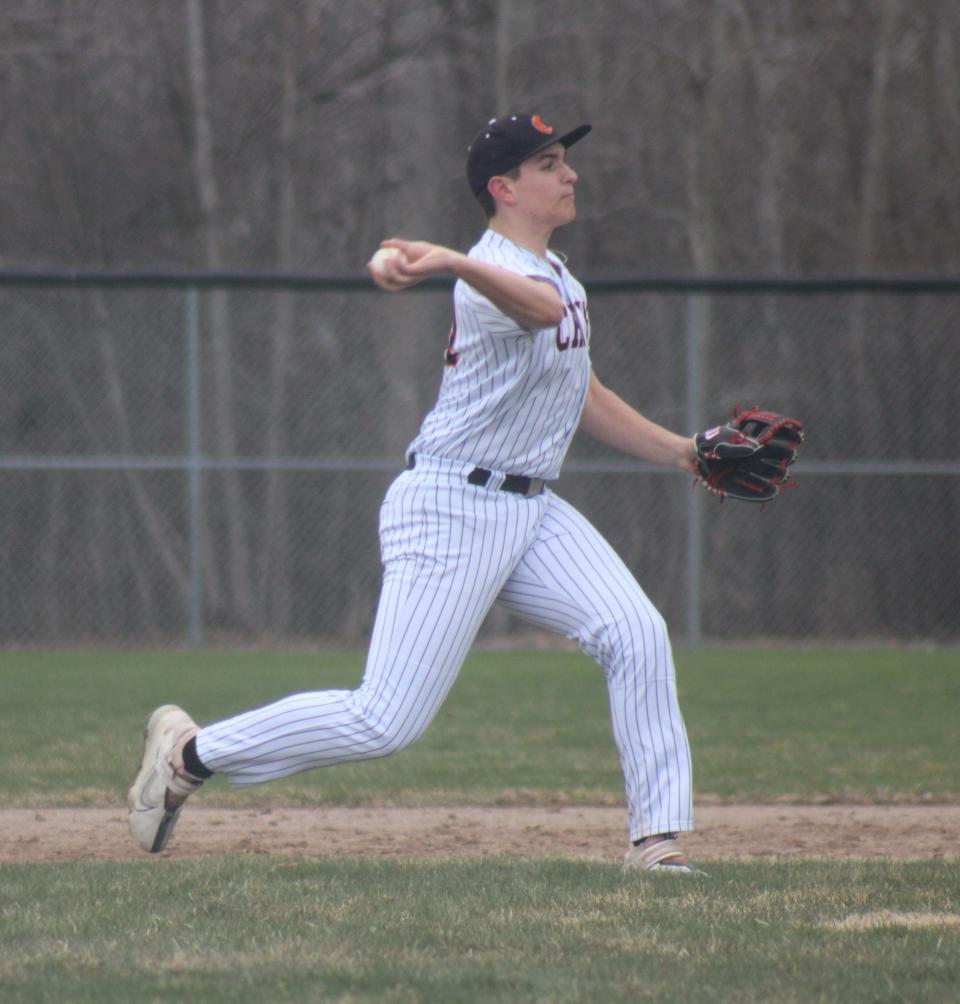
pixel 343 282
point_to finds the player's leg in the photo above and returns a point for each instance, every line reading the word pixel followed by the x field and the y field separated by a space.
pixel 571 581
pixel 447 550
pixel 447 547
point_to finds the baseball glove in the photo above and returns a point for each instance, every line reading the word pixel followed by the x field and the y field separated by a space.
pixel 748 458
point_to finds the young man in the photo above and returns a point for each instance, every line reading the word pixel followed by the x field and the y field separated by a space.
pixel 472 520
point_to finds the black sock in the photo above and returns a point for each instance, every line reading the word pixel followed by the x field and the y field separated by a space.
pixel 666 836
pixel 191 762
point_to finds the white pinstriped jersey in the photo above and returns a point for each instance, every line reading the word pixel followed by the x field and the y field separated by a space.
pixel 511 396
pixel 451 549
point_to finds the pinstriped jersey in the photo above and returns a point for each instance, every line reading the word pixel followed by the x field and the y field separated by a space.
pixel 511 396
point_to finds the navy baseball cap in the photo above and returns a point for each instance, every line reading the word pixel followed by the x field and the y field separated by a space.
pixel 505 143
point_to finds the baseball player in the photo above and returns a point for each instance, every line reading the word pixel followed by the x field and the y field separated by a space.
pixel 473 520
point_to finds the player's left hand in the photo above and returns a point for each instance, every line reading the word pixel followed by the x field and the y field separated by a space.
pixel 749 458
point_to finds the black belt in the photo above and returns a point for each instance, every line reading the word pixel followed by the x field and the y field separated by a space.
pixel 480 476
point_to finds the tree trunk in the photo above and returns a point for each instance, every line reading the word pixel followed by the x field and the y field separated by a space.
pixel 239 585
pixel 275 578
pixel 504 41
pixel 871 201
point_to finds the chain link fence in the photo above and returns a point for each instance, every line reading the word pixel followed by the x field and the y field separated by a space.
pixel 201 459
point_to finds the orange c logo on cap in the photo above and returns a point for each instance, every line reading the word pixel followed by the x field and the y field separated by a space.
pixel 540 125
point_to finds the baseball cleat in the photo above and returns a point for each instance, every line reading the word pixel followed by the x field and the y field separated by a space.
pixel 161 787
pixel 675 868
pixel 664 857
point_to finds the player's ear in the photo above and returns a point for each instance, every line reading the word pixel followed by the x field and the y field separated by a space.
pixel 500 188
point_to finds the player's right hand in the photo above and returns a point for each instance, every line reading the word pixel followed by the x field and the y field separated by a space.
pixel 415 261
pixel 384 268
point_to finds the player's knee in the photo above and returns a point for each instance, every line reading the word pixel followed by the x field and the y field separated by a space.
pixel 387 737
pixel 390 721
pixel 393 740
pixel 638 636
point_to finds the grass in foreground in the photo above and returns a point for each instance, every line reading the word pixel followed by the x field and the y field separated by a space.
pixel 262 928
pixel 764 724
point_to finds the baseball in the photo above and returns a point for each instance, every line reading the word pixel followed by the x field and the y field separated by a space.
pixel 381 257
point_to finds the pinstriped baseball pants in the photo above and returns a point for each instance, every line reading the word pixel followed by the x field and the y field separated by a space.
pixel 450 550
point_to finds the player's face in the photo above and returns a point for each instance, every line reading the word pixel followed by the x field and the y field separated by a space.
pixel 544 189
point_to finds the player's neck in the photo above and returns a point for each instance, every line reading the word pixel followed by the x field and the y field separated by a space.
pixel 522 233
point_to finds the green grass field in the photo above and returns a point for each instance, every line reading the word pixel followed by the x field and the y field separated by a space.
pixel 764 724
pixel 260 929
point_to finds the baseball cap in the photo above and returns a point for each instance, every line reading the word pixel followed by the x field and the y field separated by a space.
pixel 505 143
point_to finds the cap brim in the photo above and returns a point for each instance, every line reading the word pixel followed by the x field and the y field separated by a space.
pixel 575 135
pixel 567 139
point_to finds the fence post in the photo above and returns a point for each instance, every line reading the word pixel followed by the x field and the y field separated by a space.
pixel 695 327
pixel 194 472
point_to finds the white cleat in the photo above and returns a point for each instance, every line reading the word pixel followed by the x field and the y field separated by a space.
pixel 664 857
pixel 161 787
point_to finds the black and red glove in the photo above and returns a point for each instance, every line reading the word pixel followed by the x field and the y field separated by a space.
pixel 749 457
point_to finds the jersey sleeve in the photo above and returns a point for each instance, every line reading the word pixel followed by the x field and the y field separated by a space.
pixel 483 311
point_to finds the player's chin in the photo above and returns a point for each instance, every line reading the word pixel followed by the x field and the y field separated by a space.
pixel 567 209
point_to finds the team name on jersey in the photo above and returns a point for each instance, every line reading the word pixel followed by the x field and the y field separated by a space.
pixel 577 311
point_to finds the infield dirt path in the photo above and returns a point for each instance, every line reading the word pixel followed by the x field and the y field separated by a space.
pixel 723 832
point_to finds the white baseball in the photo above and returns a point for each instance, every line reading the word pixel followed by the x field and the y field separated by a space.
pixel 381 257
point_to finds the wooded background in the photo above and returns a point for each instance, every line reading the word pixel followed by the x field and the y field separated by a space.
pixel 730 136
pixel 788 137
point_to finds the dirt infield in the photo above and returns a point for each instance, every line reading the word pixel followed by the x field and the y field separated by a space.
pixel 723 832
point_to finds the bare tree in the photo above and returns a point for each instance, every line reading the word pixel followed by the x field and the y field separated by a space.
pixel 276 568
pixel 871 194
pixel 237 560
